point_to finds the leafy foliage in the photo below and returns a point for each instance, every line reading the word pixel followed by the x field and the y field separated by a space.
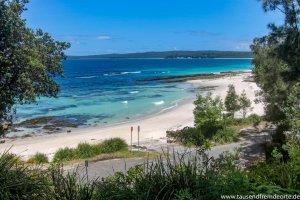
pixel 69 186
pixel 29 60
pixel 244 103
pixel 225 135
pixel 211 124
pixel 208 110
pixel 188 136
pixel 277 58
pixel 232 100
pixel 19 182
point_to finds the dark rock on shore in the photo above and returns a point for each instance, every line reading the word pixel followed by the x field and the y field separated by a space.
pixel 35 122
pixel 50 123
pixel 206 88
pixel 171 79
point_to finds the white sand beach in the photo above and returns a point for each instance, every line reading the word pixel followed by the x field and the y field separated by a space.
pixel 152 127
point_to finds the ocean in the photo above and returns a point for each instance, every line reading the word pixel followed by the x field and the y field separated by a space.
pixel 101 92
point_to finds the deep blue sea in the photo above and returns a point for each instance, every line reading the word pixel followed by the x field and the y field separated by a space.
pixel 106 91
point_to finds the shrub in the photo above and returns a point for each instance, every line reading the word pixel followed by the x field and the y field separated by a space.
pixel 39 158
pixel 188 136
pixel 111 145
pixel 225 135
pixel 21 182
pixel 85 150
pixel 208 110
pixel 254 119
pixel 70 185
pixel 177 177
pixel 64 154
pixel 232 100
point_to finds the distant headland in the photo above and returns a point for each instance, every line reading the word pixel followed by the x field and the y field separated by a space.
pixel 173 55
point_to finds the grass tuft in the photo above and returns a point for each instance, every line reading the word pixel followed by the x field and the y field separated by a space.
pixel 85 150
pixel 112 145
pixel 38 158
pixel 64 154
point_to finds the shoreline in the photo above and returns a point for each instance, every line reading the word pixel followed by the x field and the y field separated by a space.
pixel 153 127
pixel 190 77
pixel 41 122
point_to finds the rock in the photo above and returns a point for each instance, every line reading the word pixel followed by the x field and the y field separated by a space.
pixel 50 127
pixel 35 121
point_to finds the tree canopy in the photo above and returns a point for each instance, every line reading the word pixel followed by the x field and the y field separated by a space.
pixel 208 110
pixel 232 100
pixel 277 58
pixel 245 103
pixel 277 72
pixel 29 59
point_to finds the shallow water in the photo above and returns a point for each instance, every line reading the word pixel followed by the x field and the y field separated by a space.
pixel 106 91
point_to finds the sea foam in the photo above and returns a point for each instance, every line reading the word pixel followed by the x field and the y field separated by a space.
pixel 158 103
pixel 87 77
pixel 137 72
pixel 134 92
pixel 121 73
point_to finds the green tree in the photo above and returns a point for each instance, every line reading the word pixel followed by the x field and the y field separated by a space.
pixel 208 110
pixel 245 103
pixel 277 58
pixel 232 100
pixel 29 60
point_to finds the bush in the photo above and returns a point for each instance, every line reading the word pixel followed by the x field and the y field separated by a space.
pixel 85 150
pixel 69 186
pixel 225 135
pixel 254 119
pixel 111 145
pixel 64 154
pixel 39 158
pixel 188 136
pixel 177 177
pixel 20 182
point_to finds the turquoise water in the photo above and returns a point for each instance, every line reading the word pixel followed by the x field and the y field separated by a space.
pixel 107 91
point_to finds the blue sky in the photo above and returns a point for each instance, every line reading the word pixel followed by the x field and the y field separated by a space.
pixel 122 26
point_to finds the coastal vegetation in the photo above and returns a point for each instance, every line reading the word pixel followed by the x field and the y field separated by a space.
pixel 85 150
pixel 29 60
pixel 214 120
pixel 38 158
pixel 105 150
pixel 231 102
pixel 172 177
pixel 189 176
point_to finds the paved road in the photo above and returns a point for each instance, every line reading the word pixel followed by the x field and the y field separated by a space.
pixel 250 144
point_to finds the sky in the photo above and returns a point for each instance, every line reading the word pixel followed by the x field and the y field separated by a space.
pixel 125 26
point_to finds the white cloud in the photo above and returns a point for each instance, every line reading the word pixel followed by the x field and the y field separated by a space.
pixel 104 37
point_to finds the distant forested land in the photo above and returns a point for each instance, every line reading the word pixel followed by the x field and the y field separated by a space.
pixel 174 55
